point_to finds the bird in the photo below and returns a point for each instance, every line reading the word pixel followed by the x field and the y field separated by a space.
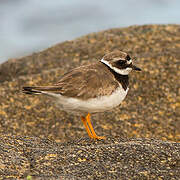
pixel 93 88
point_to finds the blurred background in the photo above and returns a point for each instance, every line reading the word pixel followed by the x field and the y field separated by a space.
pixel 28 26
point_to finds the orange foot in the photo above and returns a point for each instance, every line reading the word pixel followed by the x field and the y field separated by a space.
pixel 89 128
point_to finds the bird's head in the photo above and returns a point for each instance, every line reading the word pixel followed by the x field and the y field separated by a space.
pixel 120 62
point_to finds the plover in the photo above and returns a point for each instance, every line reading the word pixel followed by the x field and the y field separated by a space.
pixel 93 88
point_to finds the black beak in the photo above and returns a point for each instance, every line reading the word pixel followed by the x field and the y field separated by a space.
pixel 135 68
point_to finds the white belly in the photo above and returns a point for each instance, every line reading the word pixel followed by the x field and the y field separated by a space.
pixel 93 105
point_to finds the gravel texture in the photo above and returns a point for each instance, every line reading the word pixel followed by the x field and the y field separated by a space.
pixel 86 159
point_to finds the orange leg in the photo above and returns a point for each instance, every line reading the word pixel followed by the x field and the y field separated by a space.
pixel 93 134
pixel 86 126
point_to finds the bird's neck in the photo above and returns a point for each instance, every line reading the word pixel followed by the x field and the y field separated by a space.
pixel 122 79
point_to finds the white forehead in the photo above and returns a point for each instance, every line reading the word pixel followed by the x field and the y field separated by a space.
pixel 129 62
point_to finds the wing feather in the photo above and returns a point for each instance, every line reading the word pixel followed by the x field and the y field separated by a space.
pixel 84 82
pixel 87 82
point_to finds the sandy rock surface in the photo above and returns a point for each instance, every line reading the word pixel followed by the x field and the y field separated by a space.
pixel 150 110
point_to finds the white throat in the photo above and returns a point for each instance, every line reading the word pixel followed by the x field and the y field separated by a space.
pixel 119 71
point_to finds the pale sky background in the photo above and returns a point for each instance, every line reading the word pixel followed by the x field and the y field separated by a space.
pixel 29 26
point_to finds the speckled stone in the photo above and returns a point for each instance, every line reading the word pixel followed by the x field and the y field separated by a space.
pixel 151 109
pixel 117 158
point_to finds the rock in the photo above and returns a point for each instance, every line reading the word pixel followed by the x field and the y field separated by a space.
pixel 151 109
pixel 86 159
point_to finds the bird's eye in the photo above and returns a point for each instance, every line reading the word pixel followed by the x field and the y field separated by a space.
pixel 128 58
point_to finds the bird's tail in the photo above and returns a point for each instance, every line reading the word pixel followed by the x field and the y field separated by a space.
pixel 39 89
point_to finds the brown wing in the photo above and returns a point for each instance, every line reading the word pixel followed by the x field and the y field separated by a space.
pixel 87 82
